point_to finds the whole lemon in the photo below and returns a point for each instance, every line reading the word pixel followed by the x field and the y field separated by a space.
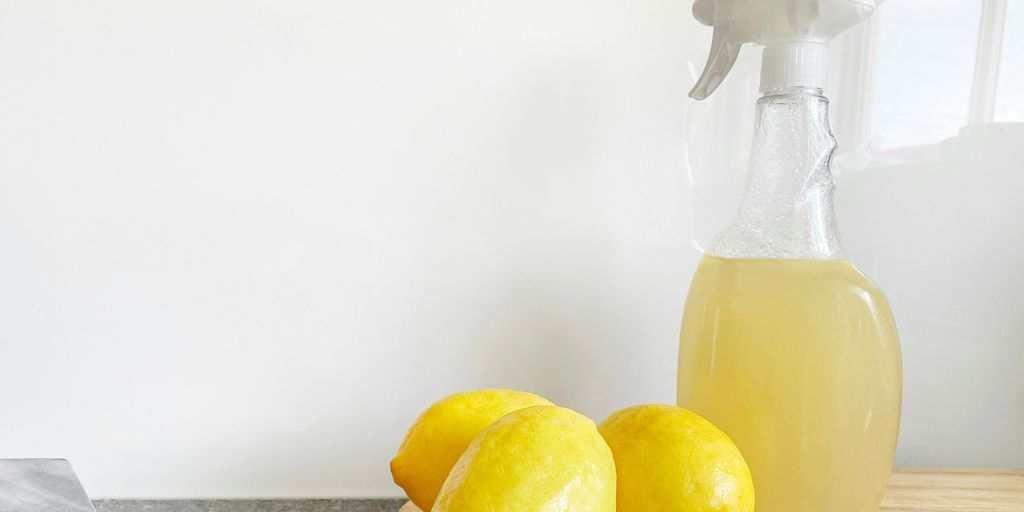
pixel 536 459
pixel 670 459
pixel 440 435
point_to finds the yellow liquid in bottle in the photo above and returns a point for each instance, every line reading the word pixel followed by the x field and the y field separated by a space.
pixel 799 362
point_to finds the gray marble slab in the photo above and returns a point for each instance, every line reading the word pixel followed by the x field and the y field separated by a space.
pixel 320 505
pixel 41 485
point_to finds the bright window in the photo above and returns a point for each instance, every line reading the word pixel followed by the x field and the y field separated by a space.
pixel 939 65
pixel 1010 91
pixel 924 69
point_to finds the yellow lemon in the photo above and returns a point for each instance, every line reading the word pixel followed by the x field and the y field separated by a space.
pixel 537 459
pixel 440 435
pixel 670 459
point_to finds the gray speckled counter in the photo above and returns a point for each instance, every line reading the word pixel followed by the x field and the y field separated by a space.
pixel 50 485
pixel 248 505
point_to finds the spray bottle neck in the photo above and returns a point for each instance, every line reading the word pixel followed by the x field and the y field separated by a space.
pixel 787 210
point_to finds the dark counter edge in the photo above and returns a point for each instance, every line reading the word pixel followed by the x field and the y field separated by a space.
pixel 243 505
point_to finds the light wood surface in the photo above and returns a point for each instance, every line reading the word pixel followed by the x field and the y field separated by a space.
pixel 954 490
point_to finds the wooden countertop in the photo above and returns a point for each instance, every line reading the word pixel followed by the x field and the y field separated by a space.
pixel 954 490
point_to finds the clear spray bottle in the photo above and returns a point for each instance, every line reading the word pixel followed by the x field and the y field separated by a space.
pixel 785 345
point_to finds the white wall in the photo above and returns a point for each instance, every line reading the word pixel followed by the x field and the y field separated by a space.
pixel 243 244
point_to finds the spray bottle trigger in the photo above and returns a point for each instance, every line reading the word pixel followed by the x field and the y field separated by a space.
pixel 721 58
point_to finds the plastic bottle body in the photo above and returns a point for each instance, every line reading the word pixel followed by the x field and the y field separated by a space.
pixel 799 362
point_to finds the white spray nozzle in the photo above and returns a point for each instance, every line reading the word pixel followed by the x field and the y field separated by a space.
pixel 796 33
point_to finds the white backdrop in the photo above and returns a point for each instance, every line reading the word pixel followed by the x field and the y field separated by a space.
pixel 243 244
